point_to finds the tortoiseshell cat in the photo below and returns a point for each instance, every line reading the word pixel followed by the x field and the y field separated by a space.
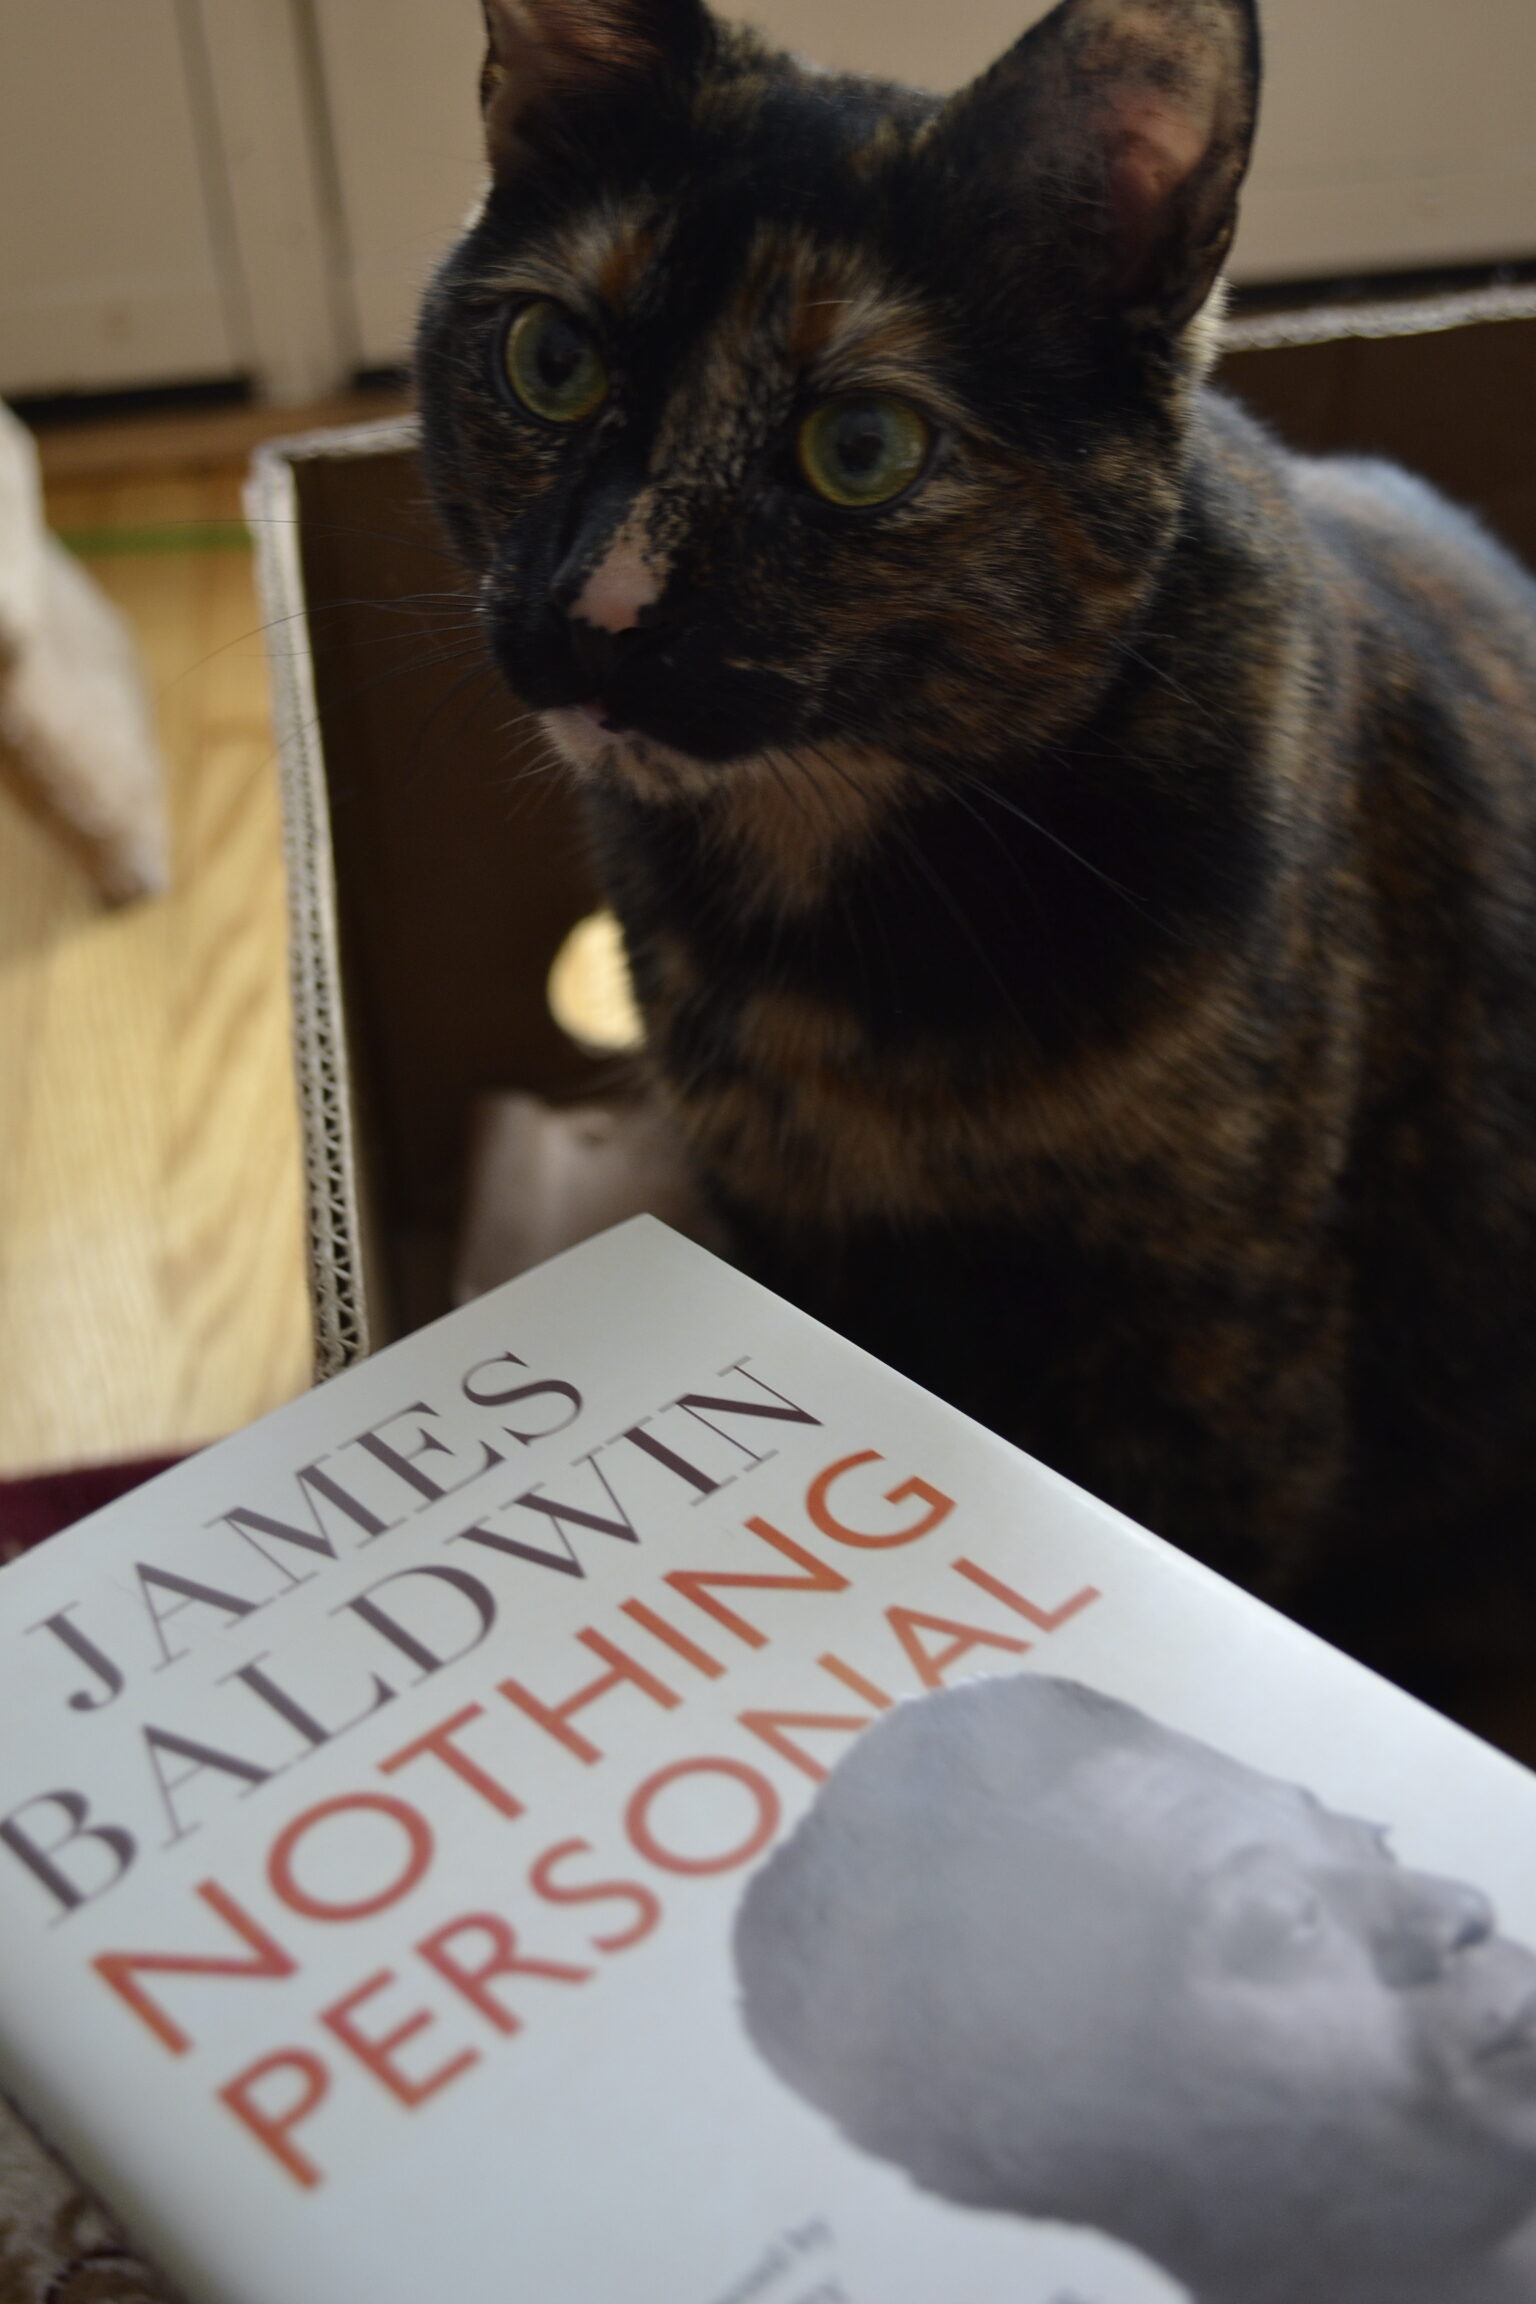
pixel 1076 859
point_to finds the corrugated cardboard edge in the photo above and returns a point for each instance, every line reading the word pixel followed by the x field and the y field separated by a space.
pixel 1379 317
pixel 333 1164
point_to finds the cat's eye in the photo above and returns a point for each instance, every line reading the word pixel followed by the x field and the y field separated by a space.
pixel 553 365
pixel 859 452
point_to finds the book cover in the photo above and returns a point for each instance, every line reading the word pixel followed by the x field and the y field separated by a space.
pixel 622 1799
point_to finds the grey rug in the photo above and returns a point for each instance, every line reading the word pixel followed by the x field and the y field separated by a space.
pixel 56 2245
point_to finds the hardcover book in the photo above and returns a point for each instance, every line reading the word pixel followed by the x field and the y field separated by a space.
pixel 621 1799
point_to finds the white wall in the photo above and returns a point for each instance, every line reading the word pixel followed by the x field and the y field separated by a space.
pixel 189 187
pixel 400 78
pixel 1396 133
pixel 112 265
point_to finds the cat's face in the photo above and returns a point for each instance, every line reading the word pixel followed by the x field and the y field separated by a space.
pixel 775 411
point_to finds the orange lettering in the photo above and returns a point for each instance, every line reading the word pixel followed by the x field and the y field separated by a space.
pixel 1044 1620
pixel 439 1741
pixel 273 2129
pixel 930 1665
pixel 378 2056
pixel 122 1969
pixel 820 1512
pixel 418 1855
pixel 502 1959
pixel 637 1817
pixel 696 1584
pixel 554 1719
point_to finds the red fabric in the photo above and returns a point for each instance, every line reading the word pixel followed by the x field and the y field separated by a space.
pixel 45 1502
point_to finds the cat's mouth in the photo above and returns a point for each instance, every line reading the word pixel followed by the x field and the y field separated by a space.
pixel 596 742
pixel 678 691
pixel 597 715
pixel 599 736
pixel 597 721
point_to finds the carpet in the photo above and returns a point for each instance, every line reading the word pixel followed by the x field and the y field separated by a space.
pixel 44 1502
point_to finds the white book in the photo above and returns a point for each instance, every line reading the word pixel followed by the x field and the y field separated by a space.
pixel 621 1799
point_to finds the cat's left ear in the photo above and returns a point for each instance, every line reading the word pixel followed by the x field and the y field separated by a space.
pixel 1125 127
pixel 545 59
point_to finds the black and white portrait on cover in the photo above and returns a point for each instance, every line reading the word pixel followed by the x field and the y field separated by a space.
pixel 1052 1958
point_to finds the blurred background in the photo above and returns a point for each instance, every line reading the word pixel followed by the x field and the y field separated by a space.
pixel 215 219
pixel 250 190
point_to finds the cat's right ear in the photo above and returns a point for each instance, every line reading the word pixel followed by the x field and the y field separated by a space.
pixel 547 60
pixel 1120 132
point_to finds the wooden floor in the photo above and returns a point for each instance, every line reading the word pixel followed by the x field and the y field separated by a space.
pixel 151 1278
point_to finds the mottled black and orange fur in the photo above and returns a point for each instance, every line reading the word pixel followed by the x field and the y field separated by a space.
pixel 1084 912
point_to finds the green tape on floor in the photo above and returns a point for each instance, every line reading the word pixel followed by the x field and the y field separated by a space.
pixel 157 536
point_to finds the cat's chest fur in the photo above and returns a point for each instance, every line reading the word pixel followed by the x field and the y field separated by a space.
pixel 876 995
pixel 808 1092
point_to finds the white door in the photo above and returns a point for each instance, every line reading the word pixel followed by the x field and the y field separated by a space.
pixel 204 188
pixel 400 89
pixel 1396 133
pixel 114 264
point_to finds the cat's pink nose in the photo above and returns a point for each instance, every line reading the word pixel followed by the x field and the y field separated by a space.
pixel 618 591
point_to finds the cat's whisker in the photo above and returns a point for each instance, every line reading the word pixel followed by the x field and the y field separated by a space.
pixel 978 784
pixel 354 532
pixel 961 790
pixel 814 785
pixel 475 673
pixel 775 762
pixel 906 844
pixel 952 777
pixel 1175 687
pixel 876 916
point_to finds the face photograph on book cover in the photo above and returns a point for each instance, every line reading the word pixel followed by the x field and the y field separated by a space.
pixel 1053 1958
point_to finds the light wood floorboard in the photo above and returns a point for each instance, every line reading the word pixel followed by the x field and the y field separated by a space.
pixel 151 1273
pixel 195 440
